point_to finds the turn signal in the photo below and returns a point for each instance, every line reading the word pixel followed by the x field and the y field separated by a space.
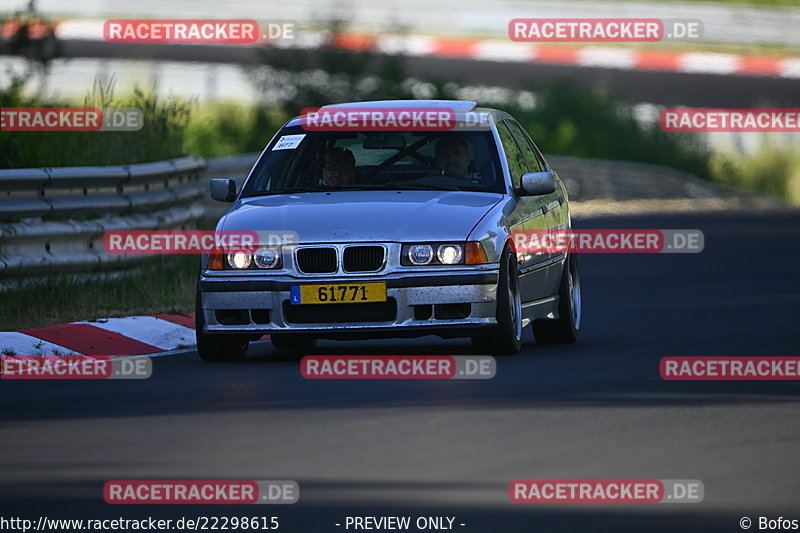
pixel 215 261
pixel 475 254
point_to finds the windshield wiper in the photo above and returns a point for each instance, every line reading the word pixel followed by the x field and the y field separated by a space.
pixel 422 186
pixel 289 190
pixel 388 187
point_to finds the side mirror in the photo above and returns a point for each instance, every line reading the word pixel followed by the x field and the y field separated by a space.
pixel 538 183
pixel 223 189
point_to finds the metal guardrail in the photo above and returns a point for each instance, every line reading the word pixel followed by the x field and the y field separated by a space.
pixel 54 219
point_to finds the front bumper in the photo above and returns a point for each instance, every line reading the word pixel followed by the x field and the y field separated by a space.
pixel 260 304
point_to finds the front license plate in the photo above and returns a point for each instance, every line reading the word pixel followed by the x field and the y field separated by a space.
pixel 339 293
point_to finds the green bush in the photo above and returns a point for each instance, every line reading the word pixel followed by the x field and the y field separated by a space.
pixel 227 129
pixel 162 136
pixel 579 123
pixel 770 169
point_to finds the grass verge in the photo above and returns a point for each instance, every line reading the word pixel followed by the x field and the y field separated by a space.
pixel 165 285
pixel 769 169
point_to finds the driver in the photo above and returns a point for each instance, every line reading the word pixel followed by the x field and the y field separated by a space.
pixel 339 168
pixel 451 156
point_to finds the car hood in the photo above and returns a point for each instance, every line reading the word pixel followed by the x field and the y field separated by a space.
pixel 364 216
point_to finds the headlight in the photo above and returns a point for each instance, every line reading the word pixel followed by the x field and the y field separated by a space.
pixel 449 254
pixel 239 260
pixel 267 257
pixel 432 254
pixel 420 254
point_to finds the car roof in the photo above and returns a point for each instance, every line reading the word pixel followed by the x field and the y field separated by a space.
pixel 460 107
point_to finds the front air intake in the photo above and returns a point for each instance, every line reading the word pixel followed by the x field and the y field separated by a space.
pixel 316 260
pixel 363 258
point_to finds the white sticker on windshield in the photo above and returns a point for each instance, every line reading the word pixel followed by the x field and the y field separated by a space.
pixel 289 142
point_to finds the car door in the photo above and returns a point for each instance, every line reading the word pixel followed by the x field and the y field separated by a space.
pixel 528 216
pixel 552 216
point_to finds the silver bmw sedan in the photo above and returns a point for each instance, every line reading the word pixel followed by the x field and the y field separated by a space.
pixel 400 229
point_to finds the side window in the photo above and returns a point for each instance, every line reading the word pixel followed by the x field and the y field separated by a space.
pixel 516 161
pixel 540 157
pixel 528 149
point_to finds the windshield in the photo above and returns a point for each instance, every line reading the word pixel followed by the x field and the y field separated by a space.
pixel 302 161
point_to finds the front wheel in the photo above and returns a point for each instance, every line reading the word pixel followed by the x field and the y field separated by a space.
pixel 566 329
pixel 506 337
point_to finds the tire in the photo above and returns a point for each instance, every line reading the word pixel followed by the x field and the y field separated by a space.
pixel 506 337
pixel 567 328
pixel 216 348
pixel 288 341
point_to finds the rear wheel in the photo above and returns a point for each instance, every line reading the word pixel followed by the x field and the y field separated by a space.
pixel 566 329
pixel 217 347
pixel 288 341
pixel 506 337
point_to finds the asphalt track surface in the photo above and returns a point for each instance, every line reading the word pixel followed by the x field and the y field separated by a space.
pixel 597 409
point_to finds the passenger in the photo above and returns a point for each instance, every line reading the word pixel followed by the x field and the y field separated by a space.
pixel 451 156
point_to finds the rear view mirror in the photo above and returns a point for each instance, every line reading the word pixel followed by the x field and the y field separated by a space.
pixel 538 183
pixel 223 189
pixel 377 141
